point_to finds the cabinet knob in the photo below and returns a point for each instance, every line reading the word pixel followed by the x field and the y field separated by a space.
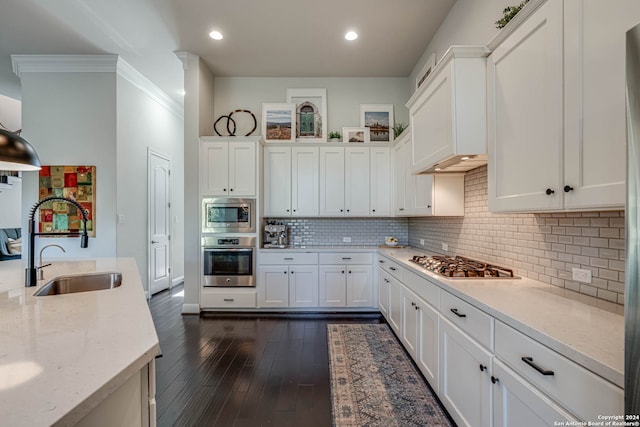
pixel 347 210
pixel 349 271
pixel 287 210
pixel 373 210
pixel 224 189
pixel 494 379
pixel 417 308
pixel 482 368
pixel 231 189
pixel 386 280
pixel 285 272
pixel 401 209
pixel 428 206
pixel 341 210
pixel 567 188
pixel 294 210
pixel 549 191
pixel 291 271
pixel 342 271
pixel 413 304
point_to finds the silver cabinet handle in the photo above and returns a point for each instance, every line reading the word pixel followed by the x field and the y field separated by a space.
pixel 229 300
pixel 288 259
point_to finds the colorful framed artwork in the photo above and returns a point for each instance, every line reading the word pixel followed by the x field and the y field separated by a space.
pixel 355 135
pixel 72 182
pixel 278 122
pixel 311 114
pixel 379 119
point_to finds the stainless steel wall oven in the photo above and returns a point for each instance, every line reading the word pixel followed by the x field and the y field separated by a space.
pixel 229 261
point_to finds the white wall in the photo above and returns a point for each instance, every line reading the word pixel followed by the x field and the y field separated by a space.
pixel 344 96
pixel 144 123
pixel 470 22
pixel 70 119
pixel 10 113
pixel 11 206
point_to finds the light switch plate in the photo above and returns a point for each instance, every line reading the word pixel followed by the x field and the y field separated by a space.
pixel 422 242
pixel 346 240
pixel 445 246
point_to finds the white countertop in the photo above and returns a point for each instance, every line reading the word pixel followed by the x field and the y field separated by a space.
pixel 591 335
pixel 322 248
pixel 61 355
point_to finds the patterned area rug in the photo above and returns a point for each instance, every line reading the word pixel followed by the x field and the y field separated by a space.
pixel 374 383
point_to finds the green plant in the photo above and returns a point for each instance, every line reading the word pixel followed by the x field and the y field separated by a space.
pixel 398 128
pixel 337 135
pixel 509 12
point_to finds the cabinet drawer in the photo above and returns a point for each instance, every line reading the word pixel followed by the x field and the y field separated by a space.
pixel 582 392
pixel 288 258
pixel 474 322
pixel 391 267
pixel 228 299
pixel 346 258
pixel 423 288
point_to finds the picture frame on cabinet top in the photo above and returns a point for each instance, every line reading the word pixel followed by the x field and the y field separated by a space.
pixel 355 135
pixel 379 119
pixel 278 122
pixel 310 114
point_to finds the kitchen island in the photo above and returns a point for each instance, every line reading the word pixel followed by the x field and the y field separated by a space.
pixel 76 358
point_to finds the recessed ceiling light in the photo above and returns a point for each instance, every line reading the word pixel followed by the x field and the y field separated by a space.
pixel 351 36
pixel 216 35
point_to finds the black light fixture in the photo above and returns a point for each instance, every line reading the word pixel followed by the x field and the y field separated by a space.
pixel 16 154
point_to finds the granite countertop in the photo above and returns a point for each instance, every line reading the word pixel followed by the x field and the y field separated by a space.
pixel 588 331
pixel 323 248
pixel 62 355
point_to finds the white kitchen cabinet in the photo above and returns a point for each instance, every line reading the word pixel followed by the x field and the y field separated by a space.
pixel 448 113
pixel 380 181
pixel 228 168
pixel 383 292
pixel 556 117
pixel 303 286
pixel 344 181
pixel 516 402
pixel 594 89
pixel 465 383
pixel 396 302
pixel 410 322
pixel 428 343
pixel 346 285
pixel 273 286
pixel 424 195
pixel 291 181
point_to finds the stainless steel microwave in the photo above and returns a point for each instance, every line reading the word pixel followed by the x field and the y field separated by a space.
pixel 226 215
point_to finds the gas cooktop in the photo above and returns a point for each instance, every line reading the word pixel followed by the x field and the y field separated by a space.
pixel 459 267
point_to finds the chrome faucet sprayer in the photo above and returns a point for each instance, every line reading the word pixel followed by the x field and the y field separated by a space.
pixel 30 277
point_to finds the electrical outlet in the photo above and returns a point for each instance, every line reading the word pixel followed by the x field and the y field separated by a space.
pixel 346 240
pixel 581 275
pixel 120 219
pixel 445 247
pixel 422 242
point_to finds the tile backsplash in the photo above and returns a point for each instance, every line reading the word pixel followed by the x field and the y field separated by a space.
pixel 543 246
pixel 330 231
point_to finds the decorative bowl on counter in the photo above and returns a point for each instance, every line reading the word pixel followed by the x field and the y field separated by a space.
pixel 390 241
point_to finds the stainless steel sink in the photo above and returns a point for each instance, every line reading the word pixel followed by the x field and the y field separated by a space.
pixel 80 283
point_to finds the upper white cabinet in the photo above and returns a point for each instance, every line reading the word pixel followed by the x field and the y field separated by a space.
pixel 380 181
pixel 228 167
pixel 556 109
pixel 344 181
pixel 448 113
pixel 291 181
pixel 423 194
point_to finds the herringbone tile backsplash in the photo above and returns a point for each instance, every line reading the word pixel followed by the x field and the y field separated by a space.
pixel 543 246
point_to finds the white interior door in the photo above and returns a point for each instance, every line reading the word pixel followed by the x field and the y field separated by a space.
pixel 159 222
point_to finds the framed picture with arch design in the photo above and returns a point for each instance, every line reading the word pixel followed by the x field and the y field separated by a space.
pixel 311 114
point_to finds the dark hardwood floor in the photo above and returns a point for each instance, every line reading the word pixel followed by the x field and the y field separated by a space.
pixel 241 371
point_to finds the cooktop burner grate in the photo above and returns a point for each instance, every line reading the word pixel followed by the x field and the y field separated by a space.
pixel 459 267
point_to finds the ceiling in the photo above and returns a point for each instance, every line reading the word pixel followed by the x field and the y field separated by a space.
pixel 262 38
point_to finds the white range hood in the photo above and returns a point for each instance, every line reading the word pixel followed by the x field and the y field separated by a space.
pixel 448 114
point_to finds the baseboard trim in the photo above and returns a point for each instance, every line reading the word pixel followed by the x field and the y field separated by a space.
pixel 190 308
pixel 177 281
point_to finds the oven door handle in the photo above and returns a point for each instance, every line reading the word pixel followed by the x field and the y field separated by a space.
pixel 228 249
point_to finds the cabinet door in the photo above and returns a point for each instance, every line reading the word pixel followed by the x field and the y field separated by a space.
pixel 359 286
pixel 277 181
pixel 304 181
pixel 333 286
pixel 427 351
pixel 303 286
pixel 399 172
pixel 332 181
pixel 410 322
pixel 516 402
pixel 383 292
pixel 273 286
pixel 242 169
pixel 214 168
pixel 465 383
pixel 595 127
pixel 357 181
pixel 395 306
pixel 380 181
pixel 422 192
pixel 525 115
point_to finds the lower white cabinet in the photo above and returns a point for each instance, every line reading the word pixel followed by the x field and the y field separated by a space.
pixel 346 285
pixel 396 296
pixel 516 402
pixel 288 286
pixel 465 377
pixel 383 292
pixel 427 356
pixel 228 298
pixel 410 322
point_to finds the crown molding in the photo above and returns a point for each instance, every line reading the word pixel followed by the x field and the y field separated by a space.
pixel 133 76
pixel 63 64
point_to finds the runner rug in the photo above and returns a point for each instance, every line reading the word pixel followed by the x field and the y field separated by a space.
pixel 374 383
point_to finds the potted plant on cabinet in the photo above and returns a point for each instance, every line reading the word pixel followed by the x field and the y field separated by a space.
pixel 335 136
